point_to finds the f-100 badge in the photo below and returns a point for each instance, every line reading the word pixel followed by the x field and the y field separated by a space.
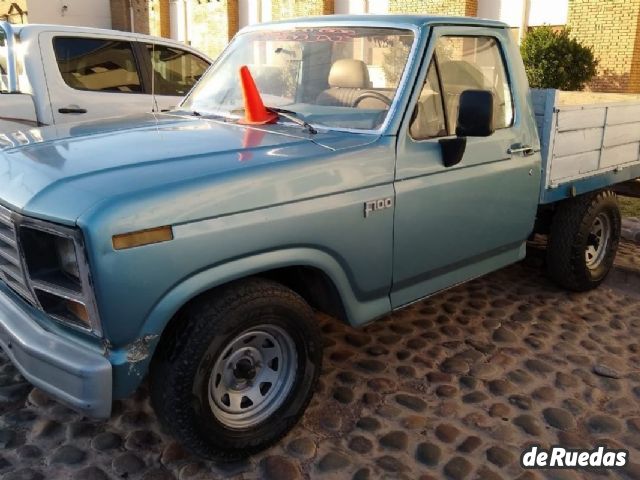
pixel 376 205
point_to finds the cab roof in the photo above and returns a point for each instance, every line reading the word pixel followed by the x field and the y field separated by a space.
pixel 391 20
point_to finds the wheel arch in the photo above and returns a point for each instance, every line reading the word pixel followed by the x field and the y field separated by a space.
pixel 298 269
pixel 315 275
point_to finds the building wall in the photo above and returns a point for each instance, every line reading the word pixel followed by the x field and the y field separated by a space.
pixel 89 13
pixel 15 16
pixel 121 15
pixel 283 9
pixel 541 12
pixel 548 12
pixel 612 29
pixel 468 8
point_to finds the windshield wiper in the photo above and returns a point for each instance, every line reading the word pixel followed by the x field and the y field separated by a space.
pixel 294 117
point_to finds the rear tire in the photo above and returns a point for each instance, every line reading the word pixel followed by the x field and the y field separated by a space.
pixel 238 371
pixel 584 239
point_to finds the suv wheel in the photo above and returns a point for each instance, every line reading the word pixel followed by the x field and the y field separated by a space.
pixel 239 371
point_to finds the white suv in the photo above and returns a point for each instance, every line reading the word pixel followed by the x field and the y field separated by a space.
pixel 54 74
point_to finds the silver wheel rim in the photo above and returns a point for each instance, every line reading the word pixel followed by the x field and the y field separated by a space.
pixel 598 241
pixel 252 377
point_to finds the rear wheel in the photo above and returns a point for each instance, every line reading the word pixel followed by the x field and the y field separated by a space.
pixel 584 239
pixel 239 371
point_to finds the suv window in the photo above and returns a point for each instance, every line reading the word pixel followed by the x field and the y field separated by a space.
pixel 97 65
pixel 175 71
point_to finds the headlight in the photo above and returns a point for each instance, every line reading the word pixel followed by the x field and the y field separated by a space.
pixel 58 274
pixel 67 259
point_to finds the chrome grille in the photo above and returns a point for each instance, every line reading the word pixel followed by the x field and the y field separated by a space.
pixel 11 271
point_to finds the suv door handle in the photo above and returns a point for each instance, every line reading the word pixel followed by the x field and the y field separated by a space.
pixel 72 110
pixel 526 150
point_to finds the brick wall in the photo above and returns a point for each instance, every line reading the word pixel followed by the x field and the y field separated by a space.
pixel 465 8
pixel 149 16
pixel 283 9
pixel 211 26
pixel 612 29
pixel 146 15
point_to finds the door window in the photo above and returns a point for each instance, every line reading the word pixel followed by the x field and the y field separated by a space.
pixel 473 63
pixel 97 65
pixel 175 71
pixel 4 77
pixel 428 117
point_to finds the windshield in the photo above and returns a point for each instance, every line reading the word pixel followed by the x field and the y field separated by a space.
pixel 343 77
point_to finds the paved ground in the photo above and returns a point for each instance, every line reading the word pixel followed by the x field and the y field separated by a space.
pixel 631 229
pixel 455 386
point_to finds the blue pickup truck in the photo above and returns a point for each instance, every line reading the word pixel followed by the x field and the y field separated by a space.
pixel 358 164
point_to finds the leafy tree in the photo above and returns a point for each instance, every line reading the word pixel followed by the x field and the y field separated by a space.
pixel 555 60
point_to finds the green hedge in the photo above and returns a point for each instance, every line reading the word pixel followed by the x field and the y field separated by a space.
pixel 555 60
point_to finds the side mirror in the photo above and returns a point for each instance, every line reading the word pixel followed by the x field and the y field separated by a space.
pixel 475 119
pixel 475 114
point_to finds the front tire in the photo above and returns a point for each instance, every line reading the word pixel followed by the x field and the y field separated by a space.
pixel 238 372
pixel 584 239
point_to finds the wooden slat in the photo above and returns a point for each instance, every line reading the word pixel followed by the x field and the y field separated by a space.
pixel 620 155
pixel 595 98
pixel 623 114
pixel 563 167
pixel 581 118
pixel 577 141
pixel 621 134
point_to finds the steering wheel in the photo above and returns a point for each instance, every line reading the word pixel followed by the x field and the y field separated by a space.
pixel 371 94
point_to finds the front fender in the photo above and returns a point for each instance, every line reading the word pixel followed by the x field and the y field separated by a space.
pixel 132 361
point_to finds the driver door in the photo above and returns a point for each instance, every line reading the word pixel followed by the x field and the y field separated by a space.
pixel 456 223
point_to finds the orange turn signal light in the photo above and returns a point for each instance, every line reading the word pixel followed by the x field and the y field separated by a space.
pixel 142 237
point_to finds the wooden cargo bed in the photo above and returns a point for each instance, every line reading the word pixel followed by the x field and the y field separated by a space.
pixel 586 146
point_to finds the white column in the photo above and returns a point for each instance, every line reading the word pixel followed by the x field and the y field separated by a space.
pixel 524 25
pixel 378 6
pixel 351 6
pixel 178 20
pixel 265 10
pixel 188 15
pixel 249 12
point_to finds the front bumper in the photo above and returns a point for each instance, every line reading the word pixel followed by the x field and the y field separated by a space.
pixel 74 374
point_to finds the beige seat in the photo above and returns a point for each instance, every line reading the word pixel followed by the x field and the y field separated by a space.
pixel 428 121
pixel 348 78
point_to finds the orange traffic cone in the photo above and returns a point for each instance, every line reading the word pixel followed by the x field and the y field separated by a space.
pixel 255 112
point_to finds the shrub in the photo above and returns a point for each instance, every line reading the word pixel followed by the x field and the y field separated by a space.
pixel 555 60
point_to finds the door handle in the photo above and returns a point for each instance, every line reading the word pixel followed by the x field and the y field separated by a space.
pixel 72 110
pixel 526 150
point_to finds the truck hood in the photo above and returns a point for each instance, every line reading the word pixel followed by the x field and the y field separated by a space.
pixel 58 172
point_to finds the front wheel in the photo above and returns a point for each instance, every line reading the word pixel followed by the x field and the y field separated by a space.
pixel 584 239
pixel 239 371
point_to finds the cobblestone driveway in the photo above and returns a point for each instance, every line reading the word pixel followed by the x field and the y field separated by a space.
pixel 454 387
